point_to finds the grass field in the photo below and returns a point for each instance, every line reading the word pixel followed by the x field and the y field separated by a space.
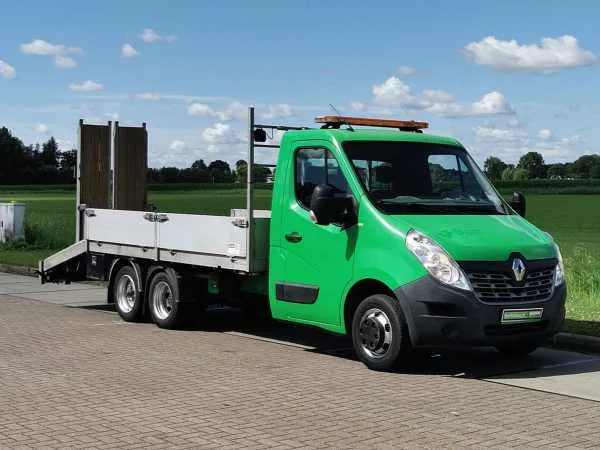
pixel 573 220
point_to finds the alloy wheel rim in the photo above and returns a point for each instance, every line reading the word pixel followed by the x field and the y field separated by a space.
pixel 162 300
pixel 126 293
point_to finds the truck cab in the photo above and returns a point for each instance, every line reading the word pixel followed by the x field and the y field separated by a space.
pixel 398 239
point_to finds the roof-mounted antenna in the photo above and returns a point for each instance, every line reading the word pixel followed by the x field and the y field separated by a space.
pixel 339 115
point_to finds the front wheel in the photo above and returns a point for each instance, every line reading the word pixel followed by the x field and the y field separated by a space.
pixel 379 332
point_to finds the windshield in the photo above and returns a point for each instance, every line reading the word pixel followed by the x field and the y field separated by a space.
pixel 415 177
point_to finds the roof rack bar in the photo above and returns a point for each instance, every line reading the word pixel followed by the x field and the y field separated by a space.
pixel 267 145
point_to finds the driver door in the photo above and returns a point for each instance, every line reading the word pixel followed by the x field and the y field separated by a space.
pixel 317 259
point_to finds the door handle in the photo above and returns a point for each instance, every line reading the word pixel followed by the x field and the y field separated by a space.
pixel 293 237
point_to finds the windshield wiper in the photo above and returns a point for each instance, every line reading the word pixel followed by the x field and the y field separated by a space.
pixel 421 206
pixel 463 208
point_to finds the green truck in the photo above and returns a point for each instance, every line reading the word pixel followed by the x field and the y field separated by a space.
pixel 377 230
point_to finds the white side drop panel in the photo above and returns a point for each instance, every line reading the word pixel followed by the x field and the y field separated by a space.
pixel 214 235
pixel 119 226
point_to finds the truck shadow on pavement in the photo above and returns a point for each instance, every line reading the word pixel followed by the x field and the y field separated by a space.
pixel 464 363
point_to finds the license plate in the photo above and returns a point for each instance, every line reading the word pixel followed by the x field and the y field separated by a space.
pixel 522 315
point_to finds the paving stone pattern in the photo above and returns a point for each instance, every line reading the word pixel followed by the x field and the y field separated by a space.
pixel 78 378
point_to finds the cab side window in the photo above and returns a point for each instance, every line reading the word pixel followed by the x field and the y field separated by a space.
pixel 316 166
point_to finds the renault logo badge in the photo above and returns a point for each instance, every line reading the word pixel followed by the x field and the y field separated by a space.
pixel 518 269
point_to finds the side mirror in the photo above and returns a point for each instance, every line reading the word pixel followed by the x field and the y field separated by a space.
pixel 260 135
pixel 518 203
pixel 326 208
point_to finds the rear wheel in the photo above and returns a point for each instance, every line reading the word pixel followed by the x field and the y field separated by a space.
pixel 126 294
pixel 164 300
pixel 379 333
pixel 517 350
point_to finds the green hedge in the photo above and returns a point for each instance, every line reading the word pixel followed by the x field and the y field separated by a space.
pixel 554 187
pixel 546 183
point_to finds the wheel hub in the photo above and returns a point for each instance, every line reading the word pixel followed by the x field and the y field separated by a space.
pixel 162 300
pixel 375 333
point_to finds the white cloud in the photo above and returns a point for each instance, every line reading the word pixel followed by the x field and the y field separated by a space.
pixel 200 109
pixel 222 139
pixel 219 133
pixel 150 36
pixel 552 55
pixel 112 115
pixel 395 93
pixel 64 62
pixel 234 110
pixel 7 71
pixel 491 103
pixel 492 133
pixel 148 96
pixel 406 70
pixel 41 128
pixel 510 142
pixel 544 134
pixel 128 52
pixel 437 96
pixel 178 145
pixel 43 48
pixel 86 86
pixel 278 111
pixel 58 52
pixel 65 144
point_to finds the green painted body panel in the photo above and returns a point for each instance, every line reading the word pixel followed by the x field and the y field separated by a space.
pixel 480 237
pixel 335 260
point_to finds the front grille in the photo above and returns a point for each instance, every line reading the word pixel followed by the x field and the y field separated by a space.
pixel 497 287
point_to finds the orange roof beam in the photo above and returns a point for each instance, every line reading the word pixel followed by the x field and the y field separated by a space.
pixel 405 125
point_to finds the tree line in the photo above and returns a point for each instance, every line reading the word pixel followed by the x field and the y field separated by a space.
pixel 45 164
pixel 215 172
pixel 532 166
pixel 34 164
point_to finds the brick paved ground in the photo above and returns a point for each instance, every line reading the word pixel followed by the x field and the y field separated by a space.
pixel 82 378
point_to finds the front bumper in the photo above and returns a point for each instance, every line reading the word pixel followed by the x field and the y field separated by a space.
pixel 439 316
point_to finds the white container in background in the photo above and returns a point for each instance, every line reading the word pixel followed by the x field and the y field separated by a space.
pixel 12 222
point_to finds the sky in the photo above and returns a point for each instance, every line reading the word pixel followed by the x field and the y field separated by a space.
pixel 504 78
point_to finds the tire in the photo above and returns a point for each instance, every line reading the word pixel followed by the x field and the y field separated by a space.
pixel 164 295
pixel 126 294
pixel 517 350
pixel 379 332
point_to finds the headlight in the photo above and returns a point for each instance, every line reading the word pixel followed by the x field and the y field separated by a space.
pixel 559 272
pixel 437 262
